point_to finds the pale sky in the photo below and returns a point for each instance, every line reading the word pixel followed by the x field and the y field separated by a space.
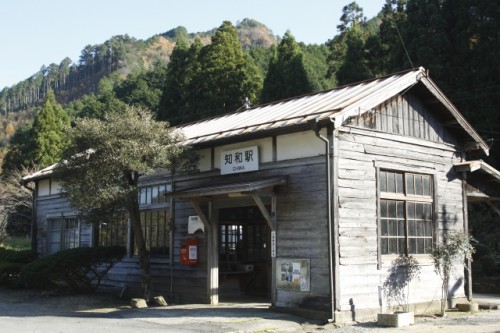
pixel 35 32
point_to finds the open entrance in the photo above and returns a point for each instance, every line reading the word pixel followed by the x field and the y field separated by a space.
pixel 244 255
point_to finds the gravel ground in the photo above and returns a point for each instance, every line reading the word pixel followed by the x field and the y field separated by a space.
pixel 23 311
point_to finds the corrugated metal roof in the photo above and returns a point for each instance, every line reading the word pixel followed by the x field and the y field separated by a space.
pixel 337 104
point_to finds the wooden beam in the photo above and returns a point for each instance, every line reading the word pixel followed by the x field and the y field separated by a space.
pixel 263 210
pixel 493 206
pixel 212 254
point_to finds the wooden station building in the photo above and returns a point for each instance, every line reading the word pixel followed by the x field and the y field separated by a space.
pixel 303 203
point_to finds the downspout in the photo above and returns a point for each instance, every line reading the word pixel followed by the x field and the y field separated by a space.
pixel 33 214
pixel 468 272
pixel 172 233
pixel 328 156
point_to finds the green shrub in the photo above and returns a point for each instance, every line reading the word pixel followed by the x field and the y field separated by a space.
pixel 11 263
pixel 81 269
pixel 488 265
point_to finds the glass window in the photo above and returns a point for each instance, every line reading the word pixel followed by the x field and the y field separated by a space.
pixel 63 234
pixel 155 194
pixel 156 229
pixel 114 231
pixel 405 224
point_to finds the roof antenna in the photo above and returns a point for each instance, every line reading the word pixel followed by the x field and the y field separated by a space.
pixel 246 104
pixel 401 39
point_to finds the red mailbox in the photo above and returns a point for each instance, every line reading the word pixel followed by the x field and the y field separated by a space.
pixel 189 251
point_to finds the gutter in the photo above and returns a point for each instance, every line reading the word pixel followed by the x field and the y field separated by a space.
pixel 331 160
pixel 33 214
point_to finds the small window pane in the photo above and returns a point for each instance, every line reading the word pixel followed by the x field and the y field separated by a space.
pixel 393 228
pixel 399 183
pixel 383 181
pixel 420 245
pixel 419 189
pixel 383 228
pixel 393 245
pixel 385 246
pixel 420 228
pixel 391 183
pixel 412 246
pixel 411 228
pixel 401 245
pixel 410 210
pixel 427 185
pixel 419 211
pixel 154 195
pixel 162 194
pixel 391 209
pixel 428 229
pixel 400 210
pixel 410 186
pixel 142 194
pixel 55 236
pixel 401 228
pixel 427 211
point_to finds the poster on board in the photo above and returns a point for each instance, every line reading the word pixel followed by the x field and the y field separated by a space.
pixel 293 274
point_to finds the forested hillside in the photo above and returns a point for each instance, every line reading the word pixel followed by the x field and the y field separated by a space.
pixel 185 76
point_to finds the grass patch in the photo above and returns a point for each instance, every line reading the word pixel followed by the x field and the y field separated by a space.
pixel 16 243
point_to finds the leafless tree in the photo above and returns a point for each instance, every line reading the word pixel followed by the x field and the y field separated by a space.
pixel 15 199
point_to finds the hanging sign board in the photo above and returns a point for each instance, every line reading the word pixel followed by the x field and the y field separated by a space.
pixel 239 160
pixel 273 244
pixel 195 224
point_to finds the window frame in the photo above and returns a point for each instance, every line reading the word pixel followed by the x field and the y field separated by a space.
pixel 79 235
pixel 153 200
pixel 406 198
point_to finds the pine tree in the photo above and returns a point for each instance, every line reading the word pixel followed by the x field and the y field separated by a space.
pixel 227 75
pixel 48 130
pixel 424 34
pixel 348 60
pixel 21 149
pixel 121 149
pixel 183 67
pixel 286 76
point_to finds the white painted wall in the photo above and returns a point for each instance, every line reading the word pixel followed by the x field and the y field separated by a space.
pixel 43 187
pixel 205 159
pixel 56 188
pixel 298 145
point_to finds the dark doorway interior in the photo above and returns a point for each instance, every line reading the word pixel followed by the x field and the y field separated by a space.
pixel 244 257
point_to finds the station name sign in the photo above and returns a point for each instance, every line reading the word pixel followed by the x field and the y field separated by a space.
pixel 239 160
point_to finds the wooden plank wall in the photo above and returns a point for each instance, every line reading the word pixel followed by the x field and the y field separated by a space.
pixel 301 228
pixel 405 115
pixel 48 206
pixel 359 151
pixel 302 233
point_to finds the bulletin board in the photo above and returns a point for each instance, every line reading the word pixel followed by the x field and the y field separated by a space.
pixel 293 274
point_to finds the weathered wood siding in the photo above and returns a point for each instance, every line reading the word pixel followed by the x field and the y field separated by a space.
pixel 406 115
pixel 360 151
pixel 301 228
pixel 46 207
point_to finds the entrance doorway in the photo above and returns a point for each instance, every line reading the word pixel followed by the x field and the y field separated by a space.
pixel 244 254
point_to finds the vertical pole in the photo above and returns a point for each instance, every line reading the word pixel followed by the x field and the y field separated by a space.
pixel 273 257
pixel 213 256
pixel 468 272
